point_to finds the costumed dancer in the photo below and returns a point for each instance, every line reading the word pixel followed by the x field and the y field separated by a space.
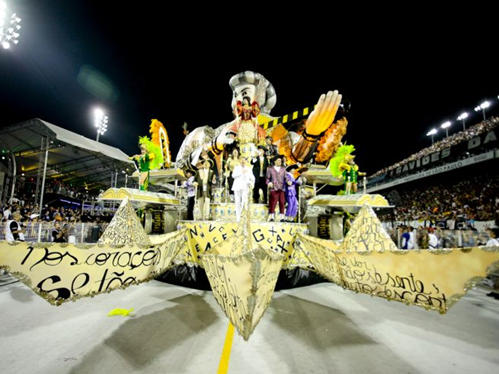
pixel 343 165
pixel 199 156
pixel 150 158
pixel 191 192
pixel 271 149
pixel 229 148
pixel 260 164
pixel 203 181
pixel 249 132
pixel 276 179
pixel 291 195
pixel 232 162
pixel 244 181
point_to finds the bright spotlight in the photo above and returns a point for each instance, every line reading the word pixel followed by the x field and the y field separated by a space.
pixel 446 126
pixel 482 108
pixel 8 27
pixel 431 133
pixel 100 122
pixel 462 117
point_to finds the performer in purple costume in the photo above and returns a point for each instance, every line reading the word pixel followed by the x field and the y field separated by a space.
pixel 291 195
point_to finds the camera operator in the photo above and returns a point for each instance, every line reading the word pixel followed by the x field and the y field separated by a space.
pixel 58 234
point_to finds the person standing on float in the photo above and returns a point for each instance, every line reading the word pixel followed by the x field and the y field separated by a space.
pixel 276 179
pixel 291 195
pixel 244 180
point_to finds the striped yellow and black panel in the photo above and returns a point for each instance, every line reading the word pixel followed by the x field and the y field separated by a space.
pixel 288 119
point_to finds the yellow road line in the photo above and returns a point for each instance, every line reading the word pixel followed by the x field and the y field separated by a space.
pixel 223 366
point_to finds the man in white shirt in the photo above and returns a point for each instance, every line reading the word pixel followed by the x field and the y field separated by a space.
pixel 432 238
pixel 14 231
pixel 244 180
pixel 493 233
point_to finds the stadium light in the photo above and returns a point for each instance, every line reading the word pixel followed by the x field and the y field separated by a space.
pixel 431 133
pixel 462 117
pixel 446 126
pixel 482 107
pixel 9 27
pixel 100 122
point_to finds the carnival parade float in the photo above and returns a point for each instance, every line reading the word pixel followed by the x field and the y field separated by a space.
pixel 244 260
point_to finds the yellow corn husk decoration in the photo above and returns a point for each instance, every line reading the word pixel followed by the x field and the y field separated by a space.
pixel 159 136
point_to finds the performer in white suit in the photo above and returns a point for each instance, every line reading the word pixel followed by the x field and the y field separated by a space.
pixel 244 180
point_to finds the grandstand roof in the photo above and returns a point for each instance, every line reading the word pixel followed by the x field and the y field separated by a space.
pixel 72 158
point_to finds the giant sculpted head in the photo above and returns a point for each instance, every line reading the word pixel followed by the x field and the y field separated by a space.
pixel 255 87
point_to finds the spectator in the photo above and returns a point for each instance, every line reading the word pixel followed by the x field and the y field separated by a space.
pixel 70 230
pixel 493 234
pixel 492 242
pixel 433 238
pixel 408 238
pixel 14 231
pixel 96 231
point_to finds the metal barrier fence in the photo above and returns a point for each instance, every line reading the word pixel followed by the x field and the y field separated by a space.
pixel 81 233
pixel 446 238
pixel 42 231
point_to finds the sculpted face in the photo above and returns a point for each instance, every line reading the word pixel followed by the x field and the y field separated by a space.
pixel 245 90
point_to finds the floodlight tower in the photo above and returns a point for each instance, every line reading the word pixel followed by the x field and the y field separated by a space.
pixel 446 126
pixel 482 107
pixel 431 133
pixel 9 27
pixel 462 117
pixel 100 122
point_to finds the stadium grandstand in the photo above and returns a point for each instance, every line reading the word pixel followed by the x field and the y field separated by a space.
pixel 450 188
pixel 44 165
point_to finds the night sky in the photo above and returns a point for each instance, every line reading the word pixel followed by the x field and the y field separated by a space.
pixel 403 73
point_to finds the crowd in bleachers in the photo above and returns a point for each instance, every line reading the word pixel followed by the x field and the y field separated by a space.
pixel 450 205
pixel 73 224
pixel 61 188
pixel 26 187
pixel 447 142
